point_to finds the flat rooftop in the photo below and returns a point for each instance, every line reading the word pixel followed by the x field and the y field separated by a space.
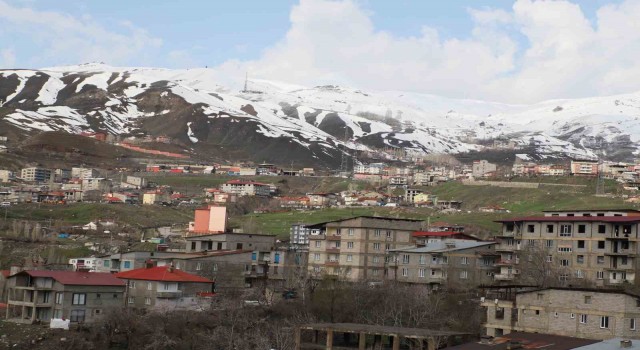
pixel 381 330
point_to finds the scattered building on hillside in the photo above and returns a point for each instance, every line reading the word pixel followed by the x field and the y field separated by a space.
pixel 493 209
pixel 37 175
pixel 456 263
pixel 294 202
pixel 166 288
pixel 230 241
pixel 6 176
pixel 410 194
pixel 78 296
pixel 218 196
pixel 99 184
pixel 482 168
pixel 575 312
pixel 134 182
pixel 156 197
pixel 83 173
pixel 246 188
pixel 299 234
pixel 583 167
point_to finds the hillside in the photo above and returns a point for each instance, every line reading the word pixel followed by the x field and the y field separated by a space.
pixel 310 125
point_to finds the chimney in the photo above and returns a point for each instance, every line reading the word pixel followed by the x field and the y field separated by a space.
pixel 626 343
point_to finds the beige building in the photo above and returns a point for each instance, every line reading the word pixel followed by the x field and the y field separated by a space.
pixel 155 197
pixel 6 175
pixel 454 263
pixel 482 168
pixel 96 184
pixel 582 313
pixel 230 241
pixel 355 248
pixel 598 246
pixel 35 174
pixel 246 188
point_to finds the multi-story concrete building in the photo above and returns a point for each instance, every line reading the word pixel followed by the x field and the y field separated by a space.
pixel 212 219
pixel 156 197
pixel 83 173
pixel 166 288
pixel 456 263
pixel 582 313
pixel 584 167
pixel 96 184
pixel 230 241
pixel 355 248
pixel 35 174
pixel 246 188
pixel 6 175
pixel 77 296
pixel 482 168
pixel 299 234
pixel 600 246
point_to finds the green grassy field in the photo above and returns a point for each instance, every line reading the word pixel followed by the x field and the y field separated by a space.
pixel 82 213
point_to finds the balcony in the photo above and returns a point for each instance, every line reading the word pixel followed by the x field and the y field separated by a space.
pixel 332 263
pixel 504 277
pixel 334 250
pixel 507 262
pixel 622 252
pixel 333 238
pixel 174 294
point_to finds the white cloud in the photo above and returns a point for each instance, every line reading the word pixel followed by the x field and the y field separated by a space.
pixel 563 54
pixel 59 37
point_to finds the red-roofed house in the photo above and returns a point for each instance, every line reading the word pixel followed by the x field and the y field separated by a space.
pixel 165 288
pixel 77 296
pixel 246 188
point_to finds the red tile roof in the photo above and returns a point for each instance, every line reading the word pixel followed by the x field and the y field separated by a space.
pixel 161 273
pixel 78 278
pixel 611 219
pixel 5 273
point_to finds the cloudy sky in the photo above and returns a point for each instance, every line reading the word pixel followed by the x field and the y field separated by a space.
pixel 510 51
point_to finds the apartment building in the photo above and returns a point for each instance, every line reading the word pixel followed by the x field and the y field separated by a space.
pixel 299 234
pixel 583 313
pixel 77 296
pixel 35 174
pixel 584 167
pixel 230 241
pixel 208 220
pixel 83 173
pixel 482 168
pixel 96 184
pixel 166 288
pixel 355 248
pixel 6 175
pixel 456 263
pixel 246 188
pixel 599 246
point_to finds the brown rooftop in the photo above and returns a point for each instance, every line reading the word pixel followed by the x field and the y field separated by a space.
pixel 527 341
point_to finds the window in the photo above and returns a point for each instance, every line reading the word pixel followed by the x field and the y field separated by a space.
pixel 107 263
pixel 59 298
pixel 349 245
pixel 579 274
pixel 600 260
pixel 499 313
pixel 132 284
pixel 338 232
pixel 564 250
pixel 600 275
pixel 632 324
pixel 215 267
pixel 127 264
pixel 537 312
pixel 583 319
pixel 445 260
pixel 564 262
pixel 565 230
pixel 376 259
pixel 587 299
pixel 387 246
pixel 316 257
pixel 582 228
pixel 464 274
pixel 405 258
pixel 580 259
pixel 421 273
pixel 199 266
pixel 377 232
pixel 77 316
pixel 149 286
pixel 530 228
pixel 549 228
pixel 531 242
pixel 318 244
pixel 349 257
pixel 79 299
pixel 555 314
pixel 581 244
pixel 147 301
pixel 572 316
pixel 464 260
pixel 376 246
pixel 602 228
pixel 388 234
pixel 350 232
pixel 422 260
pixel 600 244
pixel 539 296
pixel 604 322
pixel 130 300
pixel 549 258
pixel 549 243
pixel 405 272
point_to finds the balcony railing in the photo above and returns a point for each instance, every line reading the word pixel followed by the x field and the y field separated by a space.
pixel 333 238
pixel 504 277
pixel 169 294
pixel 332 263
pixel 333 249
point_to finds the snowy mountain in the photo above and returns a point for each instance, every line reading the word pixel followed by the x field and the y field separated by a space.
pixel 271 121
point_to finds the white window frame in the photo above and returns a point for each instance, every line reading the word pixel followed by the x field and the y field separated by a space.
pixel 349 245
pixel 405 272
pixel 632 324
pixel 583 319
pixel 464 274
pixel 421 273
pixel 604 322
pixel 349 257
